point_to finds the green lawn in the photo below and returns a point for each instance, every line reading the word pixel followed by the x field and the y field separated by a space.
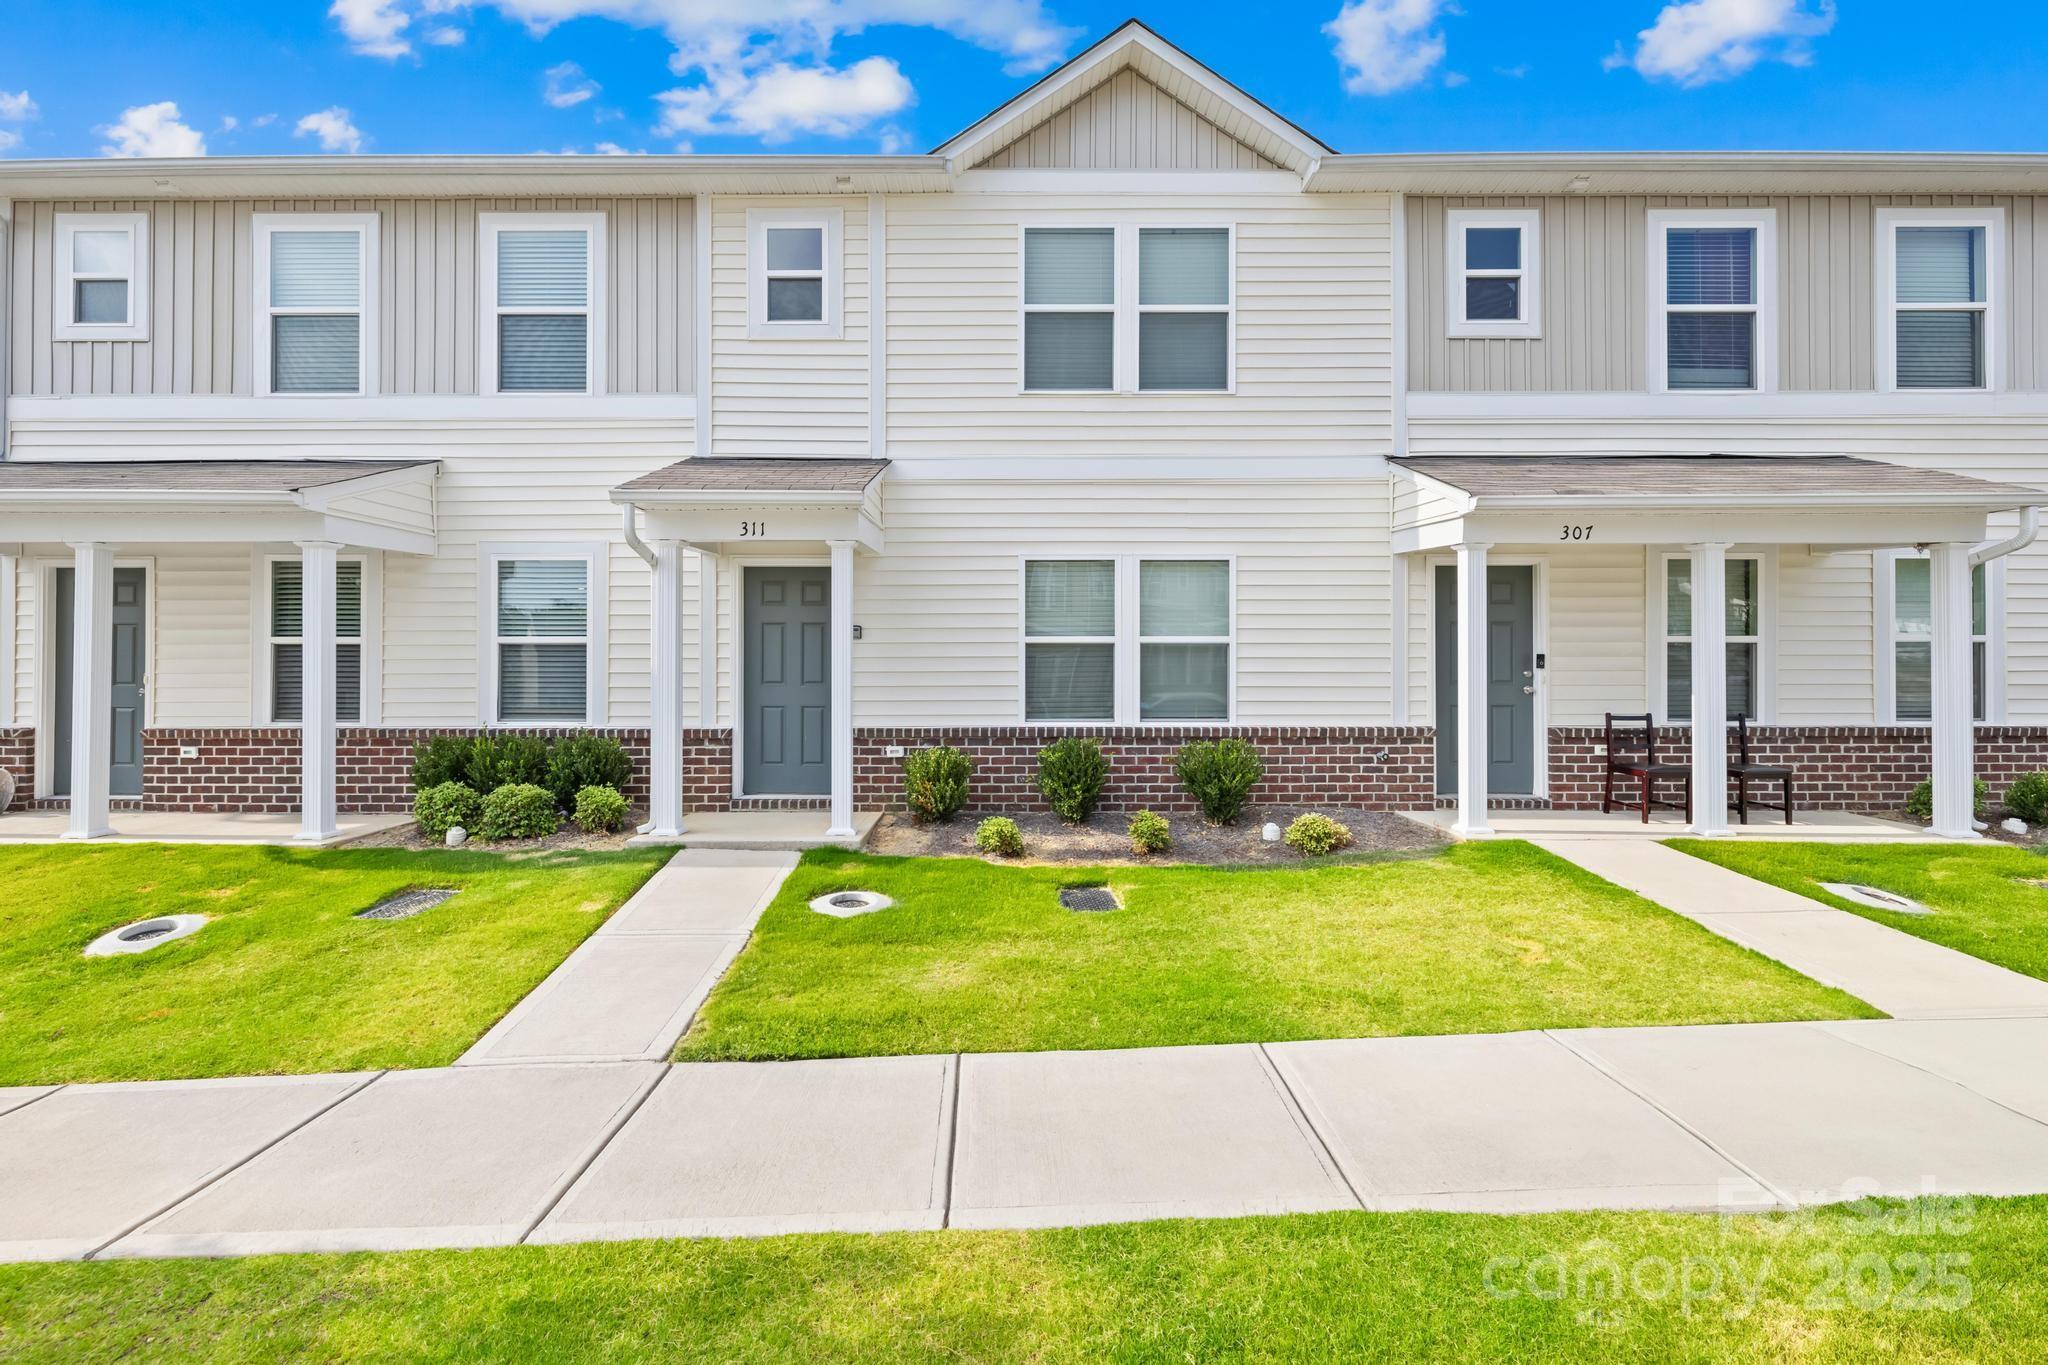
pixel 1983 901
pixel 283 980
pixel 1840 1285
pixel 1483 937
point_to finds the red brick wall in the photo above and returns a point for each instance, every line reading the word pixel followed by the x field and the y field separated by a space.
pixel 18 757
pixel 707 769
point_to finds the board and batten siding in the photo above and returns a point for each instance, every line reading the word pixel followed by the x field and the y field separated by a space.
pixel 203 307
pixel 1595 304
pixel 1314 333
pixel 1127 123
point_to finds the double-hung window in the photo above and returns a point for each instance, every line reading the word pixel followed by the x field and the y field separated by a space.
pixel 544 647
pixel 1936 325
pixel 1743 610
pixel 1912 640
pixel 1128 309
pixel 542 279
pixel 793 260
pixel 1128 638
pixel 1713 292
pixel 287 641
pixel 1493 282
pixel 101 277
pixel 315 278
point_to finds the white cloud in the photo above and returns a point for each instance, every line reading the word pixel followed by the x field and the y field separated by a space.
pixel 17 108
pixel 1454 79
pixel 375 28
pixel 445 35
pixel 567 86
pixel 1695 42
pixel 228 123
pixel 9 140
pixel 333 128
pixel 152 130
pixel 1387 45
pixel 780 101
pixel 262 120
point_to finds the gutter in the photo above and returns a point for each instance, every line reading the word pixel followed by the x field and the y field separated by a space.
pixel 2030 527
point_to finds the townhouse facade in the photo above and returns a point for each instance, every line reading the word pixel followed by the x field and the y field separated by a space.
pixel 1132 410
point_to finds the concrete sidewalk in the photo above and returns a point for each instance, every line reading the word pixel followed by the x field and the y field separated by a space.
pixel 1740 1116
pixel 1906 977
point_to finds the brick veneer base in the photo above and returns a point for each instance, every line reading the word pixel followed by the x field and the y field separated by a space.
pixel 18 757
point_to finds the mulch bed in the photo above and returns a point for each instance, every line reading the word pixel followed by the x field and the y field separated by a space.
pixel 566 839
pixel 1103 839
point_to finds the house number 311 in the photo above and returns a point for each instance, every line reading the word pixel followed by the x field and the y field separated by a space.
pixel 1576 533
pixel 753 530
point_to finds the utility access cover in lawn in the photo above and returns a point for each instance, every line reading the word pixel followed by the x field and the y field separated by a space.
pixel 1092 898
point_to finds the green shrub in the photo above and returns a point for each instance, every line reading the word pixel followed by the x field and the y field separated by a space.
pixel 1220 775
pixel 1150 833
pixel 1317 834
pixel 935 782
pixel 480 766
pixel 999 835
pixel 1920 802
pixel 519 810
pixel 1070 775
pixel 2027 797
pixel 600 810
pixel 438 761
pixel 579 761
pixel 445 805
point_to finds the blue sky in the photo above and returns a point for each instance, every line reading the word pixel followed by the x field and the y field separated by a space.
pixel 93 77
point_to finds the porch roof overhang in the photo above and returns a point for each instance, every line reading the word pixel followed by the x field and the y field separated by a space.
pixel 1837 501
pixel 367 504
pixel 725 504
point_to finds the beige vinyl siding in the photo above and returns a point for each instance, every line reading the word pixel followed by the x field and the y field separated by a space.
pixel 1127 123
pixel 202 306
pixel 202 673
pixel 1314 333
pixel 787 395
pixel 403 507
pixel 23 662
pixel 1595 304
pixel 1826 671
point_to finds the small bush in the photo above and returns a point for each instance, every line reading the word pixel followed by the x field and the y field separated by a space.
pixel 935 782
pixel 600 810
pixel 1070 775
pixel 579 761
pixel 1920 803
pixel 438 761
pixel 2027 798
pixel 999 835
pixel 519 810
pixel 1316 835
pixel 1220 775
pixel 1150 833
pixel 445 805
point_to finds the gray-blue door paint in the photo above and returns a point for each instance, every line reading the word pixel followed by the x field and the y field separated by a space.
pixel 1510 679
pixel 788 682
pixel 131 599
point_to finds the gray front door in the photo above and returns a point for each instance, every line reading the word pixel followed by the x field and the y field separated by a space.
pixel 1510 679
pixel 788 668
pixel 131 598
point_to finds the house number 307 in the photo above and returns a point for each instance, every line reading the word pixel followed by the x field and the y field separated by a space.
pixel 753 529
pixel 1576 533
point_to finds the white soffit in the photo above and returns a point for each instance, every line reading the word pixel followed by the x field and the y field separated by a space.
pixel 1597 173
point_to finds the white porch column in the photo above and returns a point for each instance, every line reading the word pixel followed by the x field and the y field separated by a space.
pixel 1472 703
pixel 842 691
pixel 665 731
pixel 316 706
pixel 92 688
pixel 1953 734
pixel 1709 689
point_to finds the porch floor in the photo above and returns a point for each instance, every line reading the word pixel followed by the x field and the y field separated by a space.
pixel 770 829
pixel 192 827
pixel 1829 826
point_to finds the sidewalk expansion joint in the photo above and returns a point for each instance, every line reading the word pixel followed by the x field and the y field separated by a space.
pixel 590 1154
pixel 1298 1112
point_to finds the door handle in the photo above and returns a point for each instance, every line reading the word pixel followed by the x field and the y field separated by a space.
pixel 1528 691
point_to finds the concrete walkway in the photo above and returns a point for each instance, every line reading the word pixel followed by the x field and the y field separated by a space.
pixel 1905 976
pixel 629 991
pixel 1739 1116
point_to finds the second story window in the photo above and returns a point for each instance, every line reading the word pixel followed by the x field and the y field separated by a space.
pixel 542 280
pixel 793 286
pixel 1936 328
pixel 1070 308
pixel 1137 309
pixel 1493 282
pixel 315 277
pixel 1713 290
pixel 102 277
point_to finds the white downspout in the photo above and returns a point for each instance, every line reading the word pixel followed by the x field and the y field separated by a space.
pixel 631 528
pixel 2030 527
pixel 6 320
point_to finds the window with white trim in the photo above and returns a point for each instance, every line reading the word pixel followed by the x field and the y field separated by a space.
pixel 1492 255
pixel 1912 639
pixel 1166 656
pixel 1937 318
pixel 315 279
pixel 286 616
pixel 1713 296
pixel 1144 309
pixel 101 277
pixel 543 639
pixel 793 272
pixel 1743 609
pixel 541 285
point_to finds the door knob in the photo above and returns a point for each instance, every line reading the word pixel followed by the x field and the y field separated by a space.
pixel 1528 691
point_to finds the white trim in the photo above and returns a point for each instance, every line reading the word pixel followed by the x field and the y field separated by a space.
pixel 263 643
pixel 63 323
pixel 597 278
pixel 1684 406
pixel 263 226
pixel 10 632
pixel 1397 580
pixel 830 224
pixel 1127 654
pixel 596 558
pixel 519 411
pixel 1397 270
pixel 1529 325
pixel 1656 633
pixel 700 322
pixel 1124 181
pixel 878 327
pixel 1885 639
pixel 1125 308
pixel 1765 357
pixel 1886 223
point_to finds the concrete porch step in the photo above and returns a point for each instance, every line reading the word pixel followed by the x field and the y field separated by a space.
pixel 793 830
